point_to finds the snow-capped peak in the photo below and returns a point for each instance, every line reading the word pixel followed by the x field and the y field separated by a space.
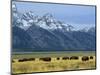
pixel 47 21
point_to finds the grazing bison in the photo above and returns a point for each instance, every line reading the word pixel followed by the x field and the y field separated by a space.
pixel 85 58
pixel 74 58
pixel 26 59
pixel 91 57
pixel 58 58
pixel 65 58
pixel 47 59
pixel 22 60
pixel 31 59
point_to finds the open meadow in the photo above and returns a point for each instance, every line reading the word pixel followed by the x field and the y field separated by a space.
pixel 52 61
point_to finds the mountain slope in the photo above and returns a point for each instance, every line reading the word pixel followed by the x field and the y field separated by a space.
pixel 39 39
pixel 22 40
pixel 45 33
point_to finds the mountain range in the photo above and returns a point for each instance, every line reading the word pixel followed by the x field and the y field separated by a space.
pixel 32 32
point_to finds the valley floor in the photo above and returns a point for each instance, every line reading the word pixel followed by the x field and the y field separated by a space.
pixel 55 64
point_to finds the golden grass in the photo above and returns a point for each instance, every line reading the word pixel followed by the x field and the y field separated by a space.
pixel 54 65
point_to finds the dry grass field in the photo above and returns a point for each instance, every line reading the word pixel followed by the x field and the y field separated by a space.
pixel 55 64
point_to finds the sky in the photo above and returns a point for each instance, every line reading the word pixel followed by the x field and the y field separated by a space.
pixel 77 15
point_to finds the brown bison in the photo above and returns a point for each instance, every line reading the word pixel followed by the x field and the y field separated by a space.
pixel 31 59
pixel 26 59
pixel 22 60
pixel 85 58
pixel 58 58
pixel 65 58
pixel 91 57
pixel 74 58
pixel 47 59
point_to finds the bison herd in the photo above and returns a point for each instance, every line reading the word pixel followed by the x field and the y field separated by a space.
pixel 26 59
pixel 45 59
pixel 48 59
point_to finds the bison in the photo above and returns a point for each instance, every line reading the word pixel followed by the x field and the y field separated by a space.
pixel 58 58
pixel 91 57
pixel 85 58
pixel 65 58
pixel 47 59
pixel 74 58
pixel 31 59
pixel 26 59
pixel 22 60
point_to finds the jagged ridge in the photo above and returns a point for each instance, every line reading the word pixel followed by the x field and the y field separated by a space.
pixel 32 33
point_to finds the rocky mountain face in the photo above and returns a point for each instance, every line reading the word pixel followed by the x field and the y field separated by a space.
pixel 33 32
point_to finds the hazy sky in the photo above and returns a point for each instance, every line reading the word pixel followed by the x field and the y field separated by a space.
pixel 79 16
